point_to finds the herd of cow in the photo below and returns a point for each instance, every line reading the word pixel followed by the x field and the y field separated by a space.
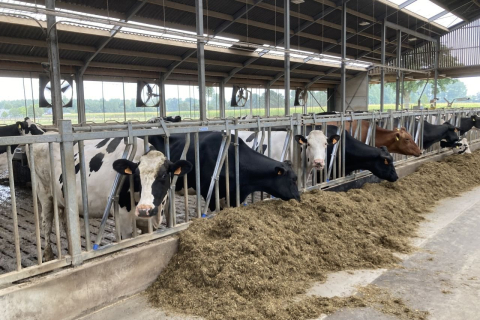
pixel 152 171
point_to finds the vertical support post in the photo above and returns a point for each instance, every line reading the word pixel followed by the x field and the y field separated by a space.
pixel 221 89
pixel 201 61
pixel 286 36
pixel 70 193
pixel 343 84
pixel 163 100
pixel 382 72
pixel 297 163
pixel 54 59
pixel 399 64
pixel 80 98
pixel 197 174
pixel 267 101
pixel 435 80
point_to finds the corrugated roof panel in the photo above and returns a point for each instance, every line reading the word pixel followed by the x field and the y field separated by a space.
pixel 131 60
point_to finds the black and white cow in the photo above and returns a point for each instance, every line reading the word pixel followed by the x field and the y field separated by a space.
pixel 20 128
pixel 358 156
pixel 468 123
pixel 152 176
pixel 257 172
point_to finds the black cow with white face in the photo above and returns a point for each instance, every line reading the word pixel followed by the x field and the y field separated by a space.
pixel 152 178
pixel 152 174
pixel 257 172
pixel 359 156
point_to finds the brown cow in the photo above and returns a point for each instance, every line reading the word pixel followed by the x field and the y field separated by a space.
pixel 396 141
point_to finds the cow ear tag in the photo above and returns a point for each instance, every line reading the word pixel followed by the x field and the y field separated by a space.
pixel 456 130
pixel 386 161
pixel 279 172
pixel 178 170
pixel 20 126
pixel 334 141
pixel 128 171
pixel 397 138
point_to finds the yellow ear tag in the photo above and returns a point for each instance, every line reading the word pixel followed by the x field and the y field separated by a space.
pixel 397 139
pixel 473 119
pixel 300 141
pixel 128 171
pixel 19 126
pixel 334 141
pixel 386 161
pixel 279 172
pixel 178 170
pixel 397 129
pixel 456 130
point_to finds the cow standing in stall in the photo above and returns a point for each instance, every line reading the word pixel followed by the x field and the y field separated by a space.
pixel 152 177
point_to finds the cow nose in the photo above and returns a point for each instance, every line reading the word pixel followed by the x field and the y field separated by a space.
pixel 143 210
pixel 319 162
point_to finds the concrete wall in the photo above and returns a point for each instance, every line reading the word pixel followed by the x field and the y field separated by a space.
pixel 360 98
pixel 73 292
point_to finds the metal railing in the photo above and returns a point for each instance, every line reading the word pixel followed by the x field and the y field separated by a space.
pixel 22 229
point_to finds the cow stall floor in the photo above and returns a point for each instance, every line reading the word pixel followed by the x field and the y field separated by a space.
pixel 26 227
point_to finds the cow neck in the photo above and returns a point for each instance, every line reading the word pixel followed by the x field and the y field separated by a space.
pixel 384 137
pixel 10 130
pixel 433 133
pixel 256 169
pixel 465 125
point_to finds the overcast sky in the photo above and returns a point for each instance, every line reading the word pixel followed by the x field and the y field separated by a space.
pixel 13 89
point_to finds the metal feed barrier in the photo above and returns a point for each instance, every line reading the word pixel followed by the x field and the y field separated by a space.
pixel 25 257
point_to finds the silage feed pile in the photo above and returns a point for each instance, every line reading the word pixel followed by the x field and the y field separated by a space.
pixel 251 262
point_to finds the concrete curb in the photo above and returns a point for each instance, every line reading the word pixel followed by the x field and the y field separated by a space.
pixel 74 292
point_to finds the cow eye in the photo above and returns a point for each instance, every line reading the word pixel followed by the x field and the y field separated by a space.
pixel 164 175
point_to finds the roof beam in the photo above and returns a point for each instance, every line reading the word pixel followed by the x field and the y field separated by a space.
pixel 236 70
pixel 175 64
pixel 281 74
pixel 237 15
pixel 313 80
pixel 414 33
pixel 438 15
pixel 133 10
pixel 406 4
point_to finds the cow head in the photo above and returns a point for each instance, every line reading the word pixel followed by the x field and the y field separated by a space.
pixel 405 144
pixel 154 171
pixel 476 121
pixel 27 127
pixel 316 144
pixel 383 166
pixel 284 184
pixel 451 136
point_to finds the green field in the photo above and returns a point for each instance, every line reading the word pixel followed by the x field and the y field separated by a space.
pixel 212 114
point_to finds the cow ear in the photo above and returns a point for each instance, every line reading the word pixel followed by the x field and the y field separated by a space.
pixel 180 167
pixel 397 136
pixel 125 167
pixel 300 139
pixel 20 127
pixel 474 118
pixel 333 139
pixel 279 171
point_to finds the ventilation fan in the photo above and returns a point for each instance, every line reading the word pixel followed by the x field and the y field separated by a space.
pixel 239 96
pixel 45 94
pixel 301 96
pixel 148 94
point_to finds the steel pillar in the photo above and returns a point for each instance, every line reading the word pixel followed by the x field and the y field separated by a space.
pixel 80 98
pixel 399 64
pixel 54 59
pixel 163 100
pixel 382 72
pixel 286 27
pixel 221 89
pixel 267 101
pixel 435 80
pixel 201 61
pixel 69 191
pixel 343 83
